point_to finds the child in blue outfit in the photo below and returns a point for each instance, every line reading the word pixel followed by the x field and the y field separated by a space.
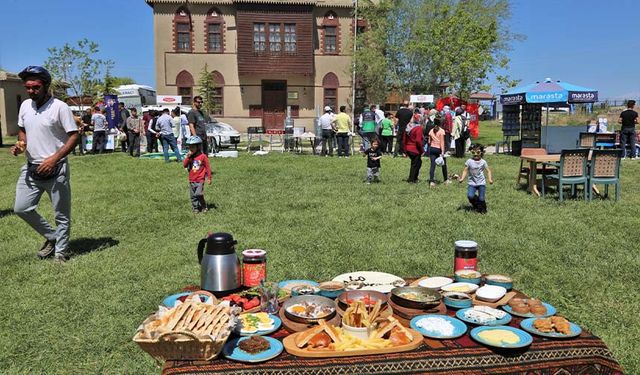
pixel 475 167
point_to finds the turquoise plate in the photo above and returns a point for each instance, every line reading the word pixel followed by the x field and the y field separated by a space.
pixel 283 284
pixel 172 299
pixel 527 325
pixel 525 338
pixel 550 311
pixel 276 325
pixel 232 351
pixel 498 322
pixel 459 328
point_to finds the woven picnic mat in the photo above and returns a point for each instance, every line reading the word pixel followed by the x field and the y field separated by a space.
pixel 585 355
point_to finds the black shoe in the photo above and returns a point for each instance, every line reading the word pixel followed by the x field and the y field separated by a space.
pixel 47 249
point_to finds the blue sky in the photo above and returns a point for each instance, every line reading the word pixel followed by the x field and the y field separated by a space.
pixel 587 42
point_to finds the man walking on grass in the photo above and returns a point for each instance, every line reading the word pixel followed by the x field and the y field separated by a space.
pixel 47 132
pixel 133 130
pixel 165 128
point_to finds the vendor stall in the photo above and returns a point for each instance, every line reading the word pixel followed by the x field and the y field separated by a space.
pixel 528 101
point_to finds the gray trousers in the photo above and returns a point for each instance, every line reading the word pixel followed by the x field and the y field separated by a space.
pixel 373 174
pixel 28 194
pixel 197 195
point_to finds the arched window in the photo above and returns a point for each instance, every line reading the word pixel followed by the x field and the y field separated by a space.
pixel 330 33
pixel 330 90
pixel 184 82
pixel 218 93
pixel 182 31
pixel 214 31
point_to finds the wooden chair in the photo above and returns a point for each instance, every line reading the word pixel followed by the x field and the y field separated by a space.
pixel 572 170
pixel 524 170
pixel 587 140
pixel 605 169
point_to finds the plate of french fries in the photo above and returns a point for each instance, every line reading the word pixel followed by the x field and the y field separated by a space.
pixel 326 340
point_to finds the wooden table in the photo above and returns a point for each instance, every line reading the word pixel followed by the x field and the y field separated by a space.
pixel 533 161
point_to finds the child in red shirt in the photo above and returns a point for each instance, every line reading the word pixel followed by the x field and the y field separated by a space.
pixel 197 163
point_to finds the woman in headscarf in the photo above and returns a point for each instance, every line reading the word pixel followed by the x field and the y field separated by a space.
pixel 459 123
pixel 413 146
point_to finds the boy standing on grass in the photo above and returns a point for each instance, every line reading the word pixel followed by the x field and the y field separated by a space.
pixel 197 163
pixel 475 167
pixel 374 154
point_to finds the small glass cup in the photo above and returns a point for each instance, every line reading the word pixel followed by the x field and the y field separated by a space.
pixel 269 297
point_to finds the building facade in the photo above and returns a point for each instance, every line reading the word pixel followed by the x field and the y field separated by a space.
pixel 265 55
pixel 12 93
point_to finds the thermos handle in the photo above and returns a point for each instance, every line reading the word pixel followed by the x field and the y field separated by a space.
pixel 201 249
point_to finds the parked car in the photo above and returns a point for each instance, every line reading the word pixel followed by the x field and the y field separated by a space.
pixel 221 135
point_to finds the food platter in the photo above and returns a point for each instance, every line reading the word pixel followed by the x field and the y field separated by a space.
pixel 520 337
pixel 435 282
pixel 309 308
pixel 378 281
pixel 290 284
pixel 528 325
pixel 457 326
pixel 461 287
pixel 233 352
pixel 462 315
pixel 291 348
pixel 550 311
pixel 276 322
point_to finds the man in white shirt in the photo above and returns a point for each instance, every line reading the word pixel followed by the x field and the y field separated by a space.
pixel 379 118
pixel 326 123
pixel 47 132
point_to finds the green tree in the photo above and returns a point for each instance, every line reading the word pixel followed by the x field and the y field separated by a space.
pixel 423 44
pixel 76 67
pixel 208 90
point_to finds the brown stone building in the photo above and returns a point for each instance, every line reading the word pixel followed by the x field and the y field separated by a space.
pixel 12 93
pixel 265 55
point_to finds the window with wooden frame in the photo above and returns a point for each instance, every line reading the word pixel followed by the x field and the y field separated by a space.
pixel 259 37
pixel 330 90
pixel 275 39
pixel 184 82
pixel 330 33
pixel 218 94
pixel 215 29
pixel 182 31
pixel 290 38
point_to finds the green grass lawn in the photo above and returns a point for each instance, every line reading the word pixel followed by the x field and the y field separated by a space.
pixel 135 241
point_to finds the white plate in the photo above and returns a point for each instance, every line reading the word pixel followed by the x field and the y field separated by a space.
pixel 436 282
pixel 378 281
pixel 491 293
pixel 453 287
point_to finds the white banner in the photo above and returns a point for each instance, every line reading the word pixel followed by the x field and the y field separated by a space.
pixel 168 99
pixel 421 99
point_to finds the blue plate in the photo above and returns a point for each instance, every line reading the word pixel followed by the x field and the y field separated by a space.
pixel 527 325
pixel 459 328
pixel 550 311
pixel 498 322
pixel 232 351
pixel 171 300
pixel 283 284
pixel 525 339
pixel 276 325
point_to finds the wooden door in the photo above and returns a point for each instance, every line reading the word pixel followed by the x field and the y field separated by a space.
pixel 274 104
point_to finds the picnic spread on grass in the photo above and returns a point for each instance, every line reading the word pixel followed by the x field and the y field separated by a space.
pixel 365 322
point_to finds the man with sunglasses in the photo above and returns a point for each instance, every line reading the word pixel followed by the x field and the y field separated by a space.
pixel 47 132
pixel 198 120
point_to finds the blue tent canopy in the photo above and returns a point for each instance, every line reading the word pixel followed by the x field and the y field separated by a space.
pixel 549 92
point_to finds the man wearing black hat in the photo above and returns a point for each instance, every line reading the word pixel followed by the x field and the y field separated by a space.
pixel 48 133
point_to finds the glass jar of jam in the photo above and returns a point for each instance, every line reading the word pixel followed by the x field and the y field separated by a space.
pixel 466 256
pixel 254 267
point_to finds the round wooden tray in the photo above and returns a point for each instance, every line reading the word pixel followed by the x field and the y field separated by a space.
pixel 408 313
pixel 292 326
